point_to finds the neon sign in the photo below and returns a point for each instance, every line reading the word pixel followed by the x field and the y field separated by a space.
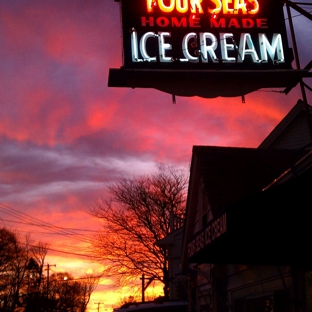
pixel 204 34
pixel 215 6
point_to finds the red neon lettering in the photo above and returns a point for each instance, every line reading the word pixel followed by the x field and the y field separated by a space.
pixel 217 23
pixel 234 23
pixel 262 23
pixel 145 21
pixel 176 23
pixel 248 23
pixel 162 21
pixel 194 22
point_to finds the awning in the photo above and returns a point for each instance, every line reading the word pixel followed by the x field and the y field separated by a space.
pixel 206 83
pixel 269 228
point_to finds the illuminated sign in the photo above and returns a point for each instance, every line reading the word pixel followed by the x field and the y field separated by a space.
pixel 207 48
pixel 204 34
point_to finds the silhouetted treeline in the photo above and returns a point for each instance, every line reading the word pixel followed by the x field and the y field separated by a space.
pixel 25 285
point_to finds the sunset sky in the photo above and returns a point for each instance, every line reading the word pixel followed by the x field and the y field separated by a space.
pixel 64 135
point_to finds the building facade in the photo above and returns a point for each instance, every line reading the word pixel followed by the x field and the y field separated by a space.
pixel 247 224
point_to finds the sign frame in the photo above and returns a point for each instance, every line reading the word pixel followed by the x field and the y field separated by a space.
pixel 175 53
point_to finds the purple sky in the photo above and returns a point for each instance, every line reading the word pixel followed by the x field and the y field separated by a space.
pixel 64 134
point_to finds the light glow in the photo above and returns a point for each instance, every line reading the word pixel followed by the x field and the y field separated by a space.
pixel 276 48
pixel 143 46
pixel 195 6
pixel 218 7
pixel 249 4
pixel 163 46
pixel 208 49
pixel 166 8
pixel 245 40
pixel 134 46
pixel 225 47
pixel 181 6
pixel 185 42
pixel 225 7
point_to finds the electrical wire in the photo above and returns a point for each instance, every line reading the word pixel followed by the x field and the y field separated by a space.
pixel 71 233
pixel 28 223
pixel 42 224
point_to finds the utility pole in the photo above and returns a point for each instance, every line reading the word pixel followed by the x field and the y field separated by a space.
pixel 48 276
pixel 149 281
pixel 98 303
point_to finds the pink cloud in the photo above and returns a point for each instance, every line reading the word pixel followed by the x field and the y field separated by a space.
pixel 64 134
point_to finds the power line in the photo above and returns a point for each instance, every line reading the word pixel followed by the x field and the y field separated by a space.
pixel 65 251
pixel 42 224
pixel 64 228
pixel 54 230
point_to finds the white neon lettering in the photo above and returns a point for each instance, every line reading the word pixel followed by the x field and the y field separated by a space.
pixel 206 49
pixel 164 46
pixel 275 49
pixel 225 47
pixel 246 41
pixel 134 47
pixel 143 51
pixel 186 52
pixel 203 46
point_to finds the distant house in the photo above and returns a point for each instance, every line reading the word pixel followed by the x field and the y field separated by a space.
pixel 172 244
pixel 247 229
pixel 292 131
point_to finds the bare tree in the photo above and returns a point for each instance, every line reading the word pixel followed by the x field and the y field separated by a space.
pixel 8 246
pixel 39 252
pixel 89 283
pixel 13 274
pixel 136 215
pixel 70 294
pixel 8 241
